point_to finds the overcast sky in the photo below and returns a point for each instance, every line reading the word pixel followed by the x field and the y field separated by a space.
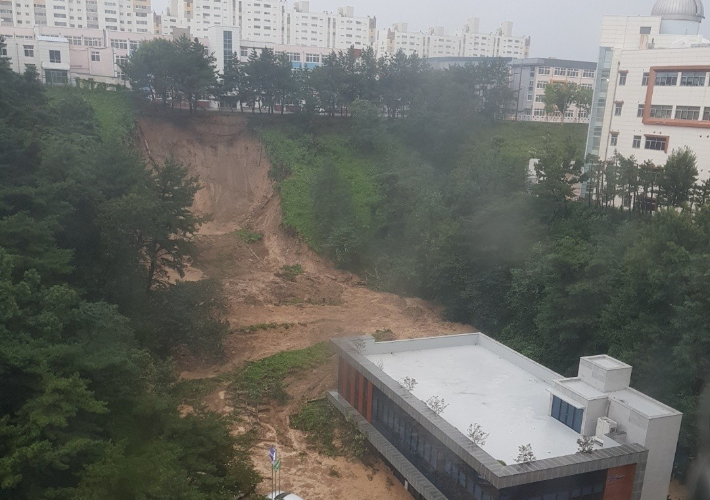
pixel 566 29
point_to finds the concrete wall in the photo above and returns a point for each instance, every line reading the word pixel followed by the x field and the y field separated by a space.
pixel 604 379
pixel 661 442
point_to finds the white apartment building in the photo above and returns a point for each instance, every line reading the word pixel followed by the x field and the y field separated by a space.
pixel 63 55
pixel 468 42
pixel 196 16
pixel 652 91
pixel 133 16
pixel 500 43
pixel 530 77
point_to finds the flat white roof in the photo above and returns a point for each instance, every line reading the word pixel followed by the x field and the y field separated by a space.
pixel 644 404
pixel 607 362
pixel 509 403
pixel 582 388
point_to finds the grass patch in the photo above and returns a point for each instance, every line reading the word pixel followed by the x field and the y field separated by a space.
pixel 297 159
pixel 266 326
pixel 248 236
pixel 113 110
pixel 193 392
pixel 328 432
pixel 290 273
pixel 262 380
pixel 384 335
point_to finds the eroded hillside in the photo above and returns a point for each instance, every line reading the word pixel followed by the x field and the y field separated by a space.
pixel 317 305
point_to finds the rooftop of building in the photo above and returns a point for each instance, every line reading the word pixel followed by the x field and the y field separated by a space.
pixel 481 387
pixel 507 394
pixel 679 10
pixel 554 63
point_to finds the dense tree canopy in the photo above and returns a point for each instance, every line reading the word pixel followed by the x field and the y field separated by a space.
pixel 87 319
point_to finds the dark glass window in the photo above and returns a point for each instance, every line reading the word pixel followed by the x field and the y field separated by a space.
pixel 567 414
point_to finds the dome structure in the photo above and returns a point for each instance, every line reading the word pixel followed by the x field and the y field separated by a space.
pixel 679 10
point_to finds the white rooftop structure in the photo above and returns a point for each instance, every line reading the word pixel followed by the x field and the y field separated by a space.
pixel 509 403
pixel 519 402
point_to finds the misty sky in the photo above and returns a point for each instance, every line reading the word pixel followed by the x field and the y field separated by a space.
pixel 559 28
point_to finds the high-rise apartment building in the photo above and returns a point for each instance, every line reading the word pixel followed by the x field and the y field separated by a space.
pixel 133 16
pixel 468 42
pixel 196 17
pixel 653 87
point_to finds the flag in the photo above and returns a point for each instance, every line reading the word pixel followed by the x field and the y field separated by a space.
pixel 277 465
pixel 272 455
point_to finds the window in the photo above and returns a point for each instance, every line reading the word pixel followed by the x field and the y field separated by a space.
pixel 530 97
pixel 645 30
pixel 541 85
pixel 692 79
pixel 706 114
pixel 656 143
pixel 639 113
pixel 687 112
pixel 56 76
pixel 622 78
pixel 637 142
pixel 3 51
pixel 95 56
pixel 119 44
pixel 583 113
pixel 540 98
pixel 133 44
pixel 312 58
pixel 573 72
pixel 614 138
pixel 244 52
pixel 92 42
pixel 560 72
pixel 587 86
pixel 667 79
pixel 55 56
pixel 29 50
pixel 539 112
pixel 658 111
pixel 567 414
pixel 644 80
pixel 294 56
pixel 617 108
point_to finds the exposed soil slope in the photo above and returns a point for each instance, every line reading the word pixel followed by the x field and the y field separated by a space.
pixel 321 303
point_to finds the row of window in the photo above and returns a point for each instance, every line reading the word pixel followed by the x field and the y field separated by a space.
pixel 670 78
pixel 666 112
pixel 455 478
pixel 545 70
pixel 652 142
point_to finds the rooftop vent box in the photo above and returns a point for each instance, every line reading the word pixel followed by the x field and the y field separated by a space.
pixel 605 426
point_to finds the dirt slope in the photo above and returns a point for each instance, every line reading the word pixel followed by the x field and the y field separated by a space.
pixel 322 303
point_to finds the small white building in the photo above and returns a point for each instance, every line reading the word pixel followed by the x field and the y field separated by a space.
pixel 652 91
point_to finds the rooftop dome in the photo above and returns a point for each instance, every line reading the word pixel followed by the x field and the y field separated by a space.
pixel 679 10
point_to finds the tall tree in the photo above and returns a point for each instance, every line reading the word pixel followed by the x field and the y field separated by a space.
pixel 679 176
pixel 560 96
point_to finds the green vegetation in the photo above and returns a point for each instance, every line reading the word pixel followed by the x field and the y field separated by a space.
pixel 437 206
pixel 384 336
pixel 89 322
pixel 290 272
pixel 248 236
pixel 266 326
pixel 263 379
pixel 328 432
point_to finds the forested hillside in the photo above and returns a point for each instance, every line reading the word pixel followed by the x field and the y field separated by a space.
pixel 90 243
pixel 455 221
